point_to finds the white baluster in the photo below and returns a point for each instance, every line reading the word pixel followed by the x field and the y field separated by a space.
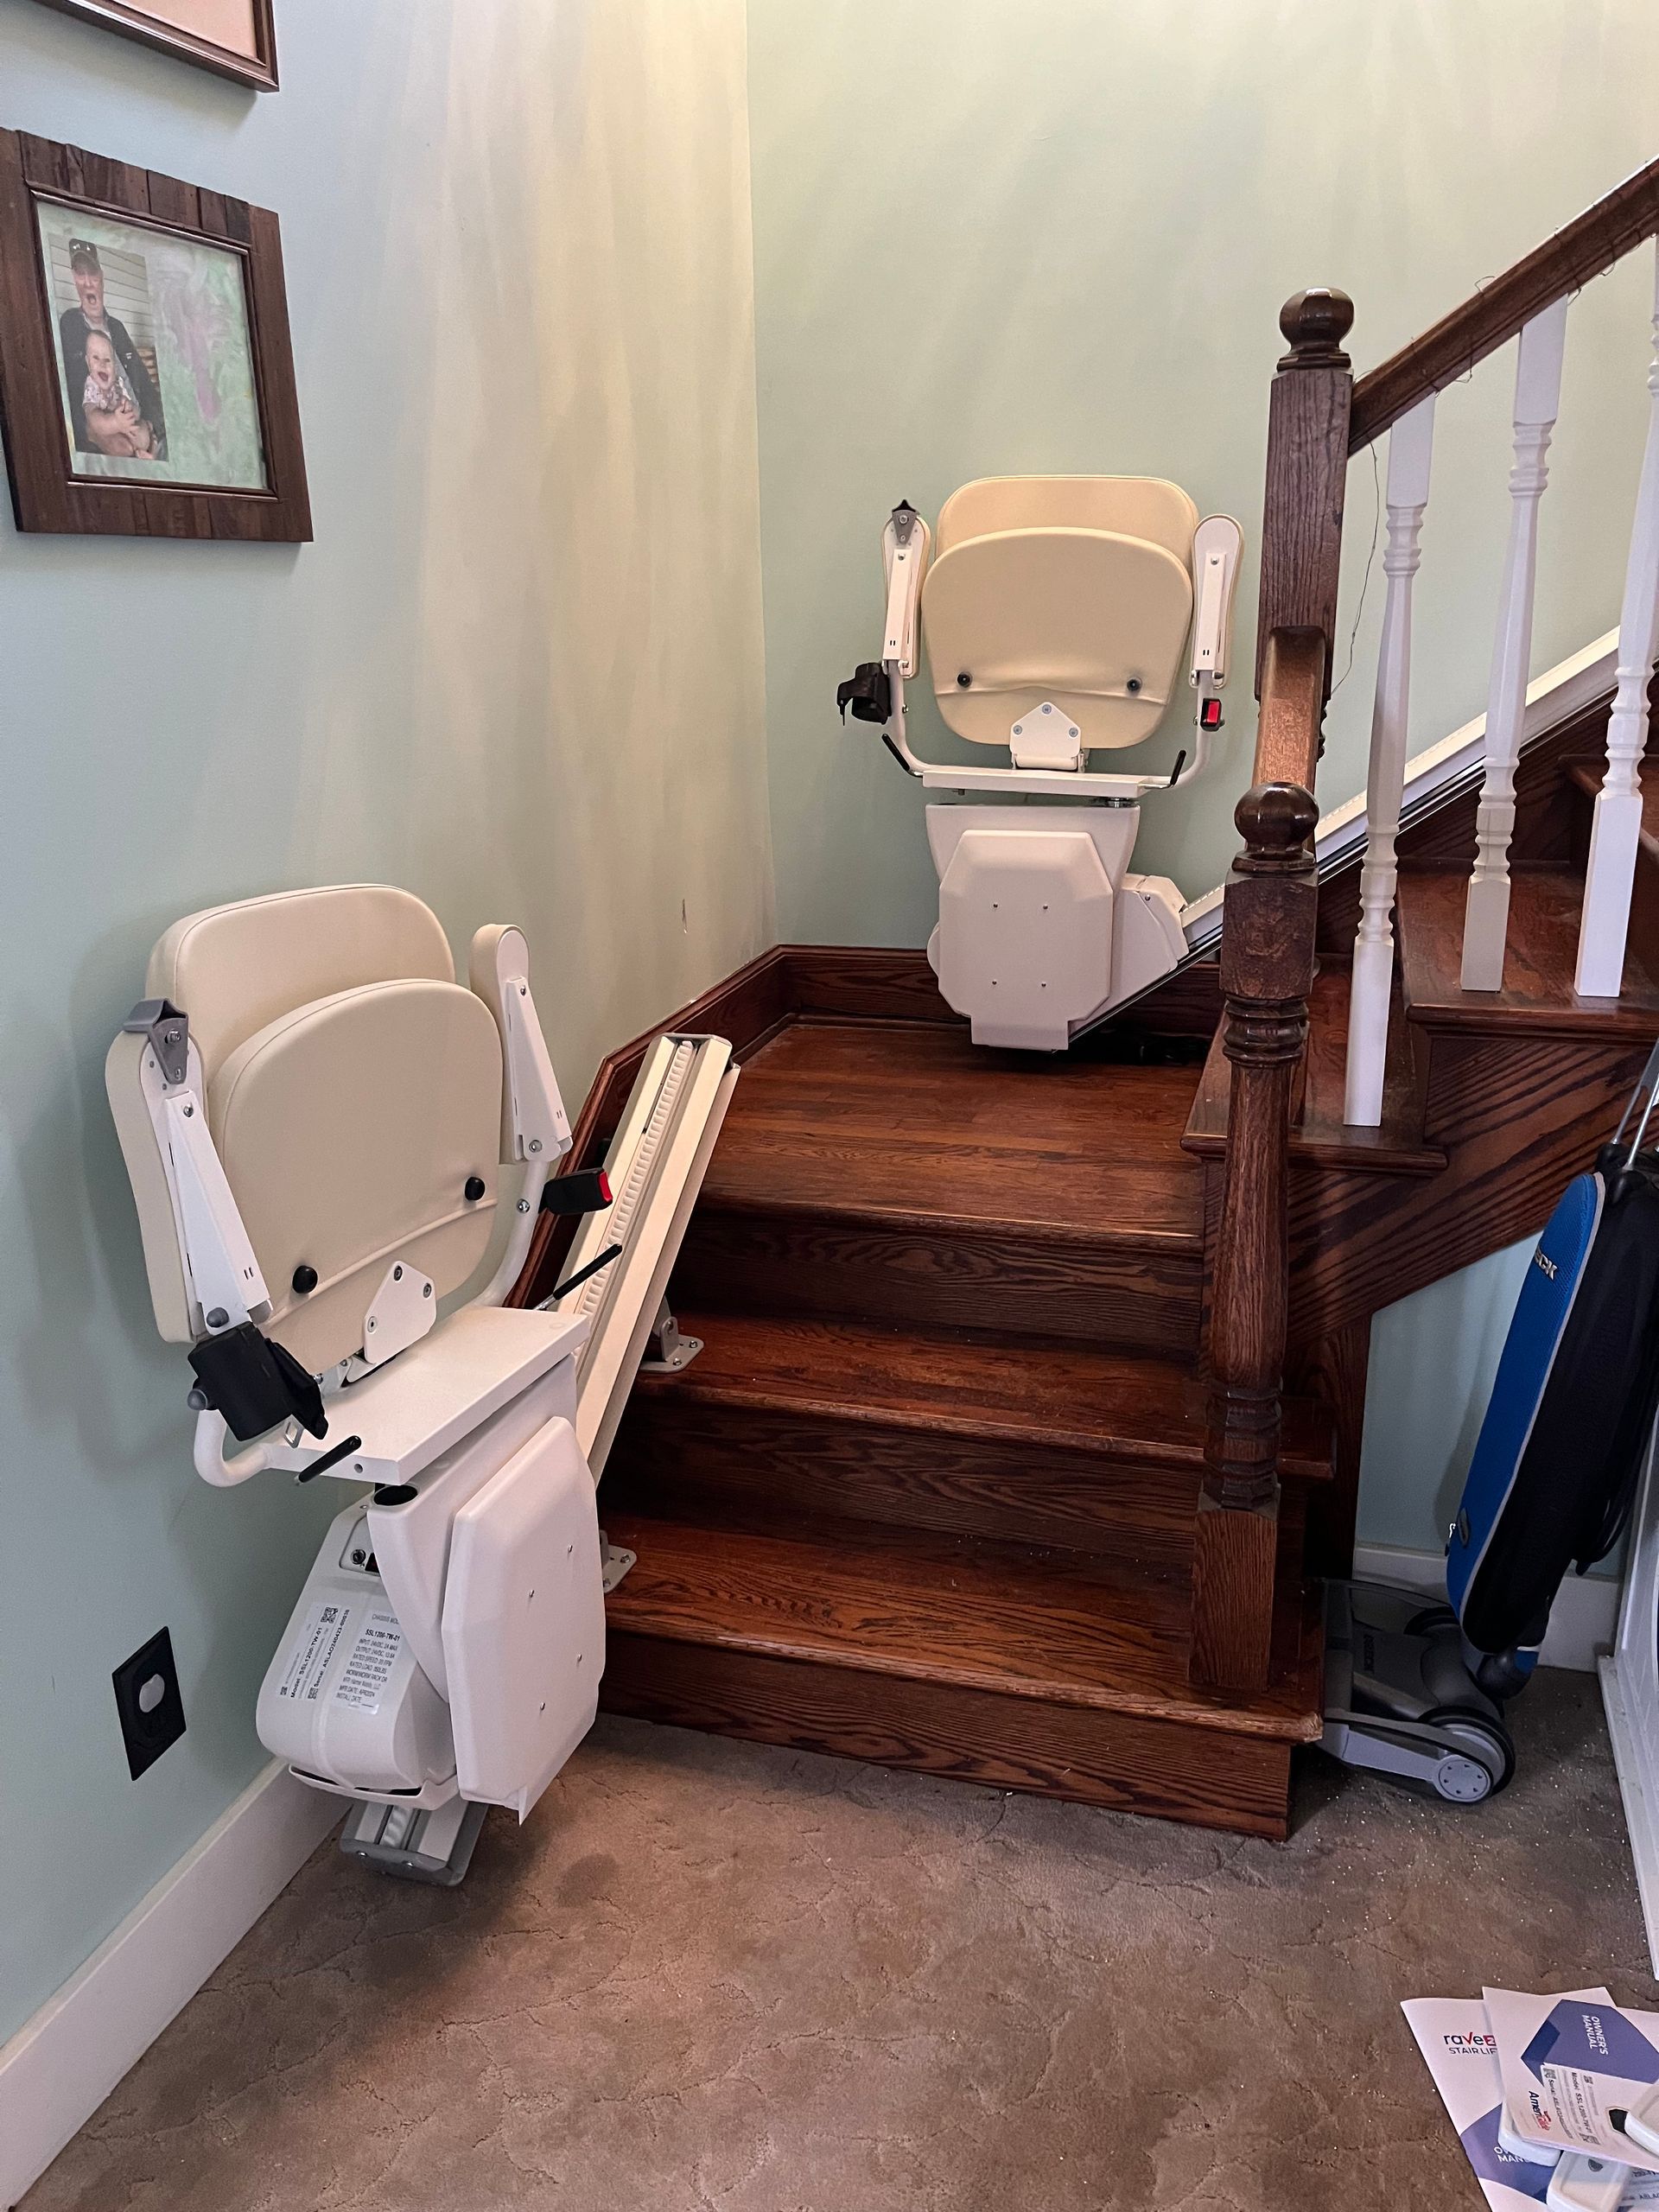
pixel 1410 446
pixel 1537 403
pixel 1617 828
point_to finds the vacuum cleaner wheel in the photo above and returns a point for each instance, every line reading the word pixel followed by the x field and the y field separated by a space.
pixel 1490 1761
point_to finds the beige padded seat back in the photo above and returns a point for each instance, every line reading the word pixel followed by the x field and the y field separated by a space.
pixel 234 969
pixel 1092 619
pixel 349 1128
pixel 1133 506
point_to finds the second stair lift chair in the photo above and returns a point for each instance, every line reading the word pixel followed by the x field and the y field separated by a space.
pixel 1054 610
pixel 320 1124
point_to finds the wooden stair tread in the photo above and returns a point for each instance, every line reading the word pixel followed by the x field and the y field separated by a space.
pixel 968 1385
pixel 891 1124
pixel 1395 1146
pixel 1016 1623
pixel 1537 998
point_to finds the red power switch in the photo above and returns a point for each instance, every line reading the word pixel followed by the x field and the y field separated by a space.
pixel 1210 715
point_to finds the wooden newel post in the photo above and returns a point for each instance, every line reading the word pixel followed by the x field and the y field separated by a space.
pixel 1267 971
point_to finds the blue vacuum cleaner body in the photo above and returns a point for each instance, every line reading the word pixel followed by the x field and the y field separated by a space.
pixel 1418 1690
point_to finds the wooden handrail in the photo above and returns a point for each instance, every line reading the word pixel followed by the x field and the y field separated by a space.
pixel 1267 971
pixel 1292 707
pixel 1492 315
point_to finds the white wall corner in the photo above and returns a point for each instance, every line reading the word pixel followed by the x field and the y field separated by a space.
pixel 58 2067
pixel 1582 1621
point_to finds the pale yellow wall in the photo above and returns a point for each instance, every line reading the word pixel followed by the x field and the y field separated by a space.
pixel 518 672
pixel 1055 236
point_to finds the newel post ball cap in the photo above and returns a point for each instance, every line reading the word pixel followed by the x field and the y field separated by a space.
pixel 1276 817
pixel 1315 322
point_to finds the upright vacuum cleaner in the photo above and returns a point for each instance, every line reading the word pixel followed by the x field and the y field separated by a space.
pixel 1417 1691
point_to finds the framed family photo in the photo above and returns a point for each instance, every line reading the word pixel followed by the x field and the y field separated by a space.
pixel 146 374
pixel 236 37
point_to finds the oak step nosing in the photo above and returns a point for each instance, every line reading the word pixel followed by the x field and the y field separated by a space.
pixel 1153 1452
pixel 1144 1705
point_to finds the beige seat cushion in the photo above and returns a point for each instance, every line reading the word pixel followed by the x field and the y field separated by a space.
pixel 234 969
pixel 348 1129
pixel 1089 619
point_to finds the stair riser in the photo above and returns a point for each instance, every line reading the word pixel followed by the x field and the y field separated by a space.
pixel 767 1263
pixel 777 1471
pixel 1482 1085
pixel 1197 1775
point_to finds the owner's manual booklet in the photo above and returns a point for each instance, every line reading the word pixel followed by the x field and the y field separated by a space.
pixel 1567 2062
pixel 1461 2053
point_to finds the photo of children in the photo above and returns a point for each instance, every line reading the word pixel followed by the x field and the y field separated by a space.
pixel 109 406
pixel 155 353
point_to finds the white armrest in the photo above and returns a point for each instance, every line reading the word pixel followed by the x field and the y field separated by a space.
pixel 534 1124
pixel 223 1285
pixel 211 1464
pixel 534 1128
pixel 1217 547
pixel 905 545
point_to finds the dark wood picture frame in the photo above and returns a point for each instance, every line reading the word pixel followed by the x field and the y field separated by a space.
pixel 46 494
pixel 135 21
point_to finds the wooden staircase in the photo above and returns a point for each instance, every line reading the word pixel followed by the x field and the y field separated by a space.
pixel 945 1488
pixel 927 1495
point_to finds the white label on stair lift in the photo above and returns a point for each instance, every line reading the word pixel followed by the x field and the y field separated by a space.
pixel 312 1650
pixel 369 1668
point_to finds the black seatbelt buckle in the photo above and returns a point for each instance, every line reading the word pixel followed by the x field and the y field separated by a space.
pixel 589 1191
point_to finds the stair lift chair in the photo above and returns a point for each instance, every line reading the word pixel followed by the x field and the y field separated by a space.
pixel 320 1125
pixel 1054 609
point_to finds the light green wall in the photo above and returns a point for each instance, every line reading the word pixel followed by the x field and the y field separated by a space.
pixel 1432 1359
pixel 992 238
pixel 518 672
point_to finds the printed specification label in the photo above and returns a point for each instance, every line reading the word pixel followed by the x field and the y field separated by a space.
pixel 369 1667
pixel 312 1650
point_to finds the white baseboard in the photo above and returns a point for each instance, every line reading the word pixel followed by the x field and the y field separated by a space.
pixel 1635 1763
pixel 58 2067
pixel 1582 1621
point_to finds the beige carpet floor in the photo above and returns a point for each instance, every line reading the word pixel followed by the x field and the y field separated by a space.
pixel 713 1977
